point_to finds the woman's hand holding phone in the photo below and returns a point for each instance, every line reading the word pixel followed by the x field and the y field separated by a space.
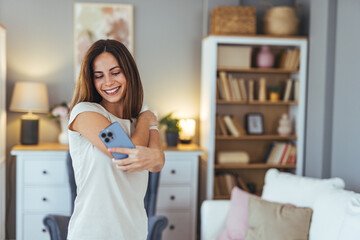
pixel 139 158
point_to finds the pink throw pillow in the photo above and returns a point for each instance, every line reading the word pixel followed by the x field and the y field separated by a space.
pixel 237 220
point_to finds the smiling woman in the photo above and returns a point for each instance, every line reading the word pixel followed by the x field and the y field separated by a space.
pixel 109 90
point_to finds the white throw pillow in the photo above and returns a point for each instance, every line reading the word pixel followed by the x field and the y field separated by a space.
pixel 300 191
pixel 329 211
pixel 350 229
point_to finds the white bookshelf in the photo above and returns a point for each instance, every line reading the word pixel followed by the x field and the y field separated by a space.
pixel 209 106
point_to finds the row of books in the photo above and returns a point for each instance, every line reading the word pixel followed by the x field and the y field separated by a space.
pixel 235 89
pixel 291 91
pixel 281 153
pixel 225 182
pixel 229 125
pixel 290 59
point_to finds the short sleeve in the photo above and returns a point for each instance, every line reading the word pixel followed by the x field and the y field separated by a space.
pixel 87 107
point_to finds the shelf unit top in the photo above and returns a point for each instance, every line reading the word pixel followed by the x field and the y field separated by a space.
pixel 257 36
pixel 45 146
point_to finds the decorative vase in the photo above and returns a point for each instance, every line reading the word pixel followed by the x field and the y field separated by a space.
pixel 284 128
pixel 265 59
pixel 63 136
pixel 172 139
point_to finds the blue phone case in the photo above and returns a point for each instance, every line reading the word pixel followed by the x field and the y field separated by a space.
pixel 115 136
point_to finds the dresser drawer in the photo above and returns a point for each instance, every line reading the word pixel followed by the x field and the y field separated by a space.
pixel 179 226
pixel 33 227
pixel 174 198
pixel 176 172
pixel 47 199
pixel 45 172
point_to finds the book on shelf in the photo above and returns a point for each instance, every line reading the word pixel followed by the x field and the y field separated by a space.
pixel 235 93
pixel 231 126
pixel 230 182
pixel 225 182
pixel 281 153
pixel 225 157
pixel 287 91
pixel 251 90
pixel 220 122
pixel 242 184
pixel 220 89
pixel 221 182
pixel 238 125
pixel 225 84
pixel 243 89
pixel 290 59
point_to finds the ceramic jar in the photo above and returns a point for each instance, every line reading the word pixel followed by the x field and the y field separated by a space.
pixel 265 58
pixel 284 128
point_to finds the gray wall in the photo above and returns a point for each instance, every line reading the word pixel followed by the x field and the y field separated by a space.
pixel 346 112
pixel 40 48
pixel 333 110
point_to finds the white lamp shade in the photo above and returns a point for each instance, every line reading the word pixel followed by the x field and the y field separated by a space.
pixel 188 128
pixel 30 97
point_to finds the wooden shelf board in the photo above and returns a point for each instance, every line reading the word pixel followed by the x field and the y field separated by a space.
pixel 259 70
pixel 256 35
pixel 257 137
pixel 253 166
pixel 221 101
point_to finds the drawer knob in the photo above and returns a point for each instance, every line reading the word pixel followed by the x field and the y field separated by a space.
pixel 172 227
pixel 172 197
pixel 44 230
pixel 44 172
pixel 173 171
pixel 44 199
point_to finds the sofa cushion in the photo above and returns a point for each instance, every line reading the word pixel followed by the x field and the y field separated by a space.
pixel 237 219
pixel 329 213
pixel 350 229
pixel 300 191
pixel 270 220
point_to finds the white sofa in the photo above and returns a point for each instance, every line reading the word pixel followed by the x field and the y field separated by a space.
pixel 336 212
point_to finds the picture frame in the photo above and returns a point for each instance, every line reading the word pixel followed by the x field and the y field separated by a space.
pixel 94 21
pixel 254 123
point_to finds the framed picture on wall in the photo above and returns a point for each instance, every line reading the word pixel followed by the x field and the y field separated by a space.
pixel 94 21
pixel 254 123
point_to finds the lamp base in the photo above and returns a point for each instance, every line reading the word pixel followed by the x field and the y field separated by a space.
pixel 185 141
pixel 29 131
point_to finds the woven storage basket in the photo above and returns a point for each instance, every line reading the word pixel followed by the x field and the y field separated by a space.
pixel 233 20
pixel 281 21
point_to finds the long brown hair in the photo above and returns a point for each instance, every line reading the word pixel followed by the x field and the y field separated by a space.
pixel 85 90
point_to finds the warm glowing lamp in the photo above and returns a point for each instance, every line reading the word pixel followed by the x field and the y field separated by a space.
pixel 29 97
pixel 187 130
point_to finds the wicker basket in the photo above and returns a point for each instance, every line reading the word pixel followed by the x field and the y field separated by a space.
pixel 281 21
pixel 232 20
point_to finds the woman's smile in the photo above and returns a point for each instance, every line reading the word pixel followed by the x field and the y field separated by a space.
pixel 112 91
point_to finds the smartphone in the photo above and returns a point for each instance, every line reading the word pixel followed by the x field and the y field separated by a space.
pixel 115 136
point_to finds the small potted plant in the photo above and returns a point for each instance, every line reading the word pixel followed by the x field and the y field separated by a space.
pixel 172 129
pixel 274 93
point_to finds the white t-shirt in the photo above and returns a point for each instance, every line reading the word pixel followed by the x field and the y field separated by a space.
pixel 109 203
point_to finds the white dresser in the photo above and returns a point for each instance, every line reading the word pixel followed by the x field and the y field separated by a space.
pixel 178 192
pixel 41 187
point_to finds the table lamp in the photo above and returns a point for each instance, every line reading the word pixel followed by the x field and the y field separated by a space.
pixel 187 130
pixel 29 97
